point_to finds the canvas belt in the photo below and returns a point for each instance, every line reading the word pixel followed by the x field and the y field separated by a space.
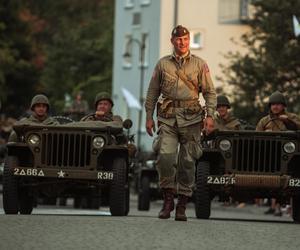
pixel 184 103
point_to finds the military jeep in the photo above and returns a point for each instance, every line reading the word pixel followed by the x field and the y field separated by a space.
pixel 80 158
pixel 247 164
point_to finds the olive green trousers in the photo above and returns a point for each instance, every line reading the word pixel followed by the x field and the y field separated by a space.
pixel 177 149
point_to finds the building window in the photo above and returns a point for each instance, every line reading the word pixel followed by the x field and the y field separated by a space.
pixel 136 19
pixel 234 11
pixel 145 2
pixel 246 10
pixel 129 4
pixel 127 52
pixel 197 39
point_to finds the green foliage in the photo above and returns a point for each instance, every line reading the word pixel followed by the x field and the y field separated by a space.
pixel 18 75
pixel 78 47
pixel 54 47
pixel 272 62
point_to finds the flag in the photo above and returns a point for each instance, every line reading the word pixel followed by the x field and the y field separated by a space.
pixel 296 26
pixel 131 100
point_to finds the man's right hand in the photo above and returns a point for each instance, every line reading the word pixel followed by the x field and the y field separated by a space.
pixel 150 126
pixel 99 113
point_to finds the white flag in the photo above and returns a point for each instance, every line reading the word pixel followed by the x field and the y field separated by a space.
pixel 296 26
pixel 131 100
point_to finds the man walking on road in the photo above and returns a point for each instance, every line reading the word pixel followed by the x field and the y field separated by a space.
pixel 174 87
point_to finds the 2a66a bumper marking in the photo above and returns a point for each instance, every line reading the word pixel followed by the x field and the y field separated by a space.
pixel 28 172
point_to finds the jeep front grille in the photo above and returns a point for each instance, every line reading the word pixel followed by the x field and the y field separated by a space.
pixel 68 150
pixel 256 155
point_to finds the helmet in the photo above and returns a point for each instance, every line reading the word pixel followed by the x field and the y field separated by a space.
pixel 222 100
pixel 277 98
pixel 39 99
pixel 103 96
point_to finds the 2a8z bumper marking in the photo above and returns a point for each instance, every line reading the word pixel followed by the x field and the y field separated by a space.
pixel 255 181
pixel 220 180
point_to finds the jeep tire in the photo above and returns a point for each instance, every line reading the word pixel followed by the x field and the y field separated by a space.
pixel 10 186
pixel 127 201
pixel 25 201
pixel 202 192
pixel 144 194
pixel 296 208
pixel 118 188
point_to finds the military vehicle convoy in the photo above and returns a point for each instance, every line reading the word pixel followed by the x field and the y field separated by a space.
pixel 86 158
pixel 247 164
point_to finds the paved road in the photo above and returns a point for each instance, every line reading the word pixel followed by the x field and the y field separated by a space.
pixel 67 228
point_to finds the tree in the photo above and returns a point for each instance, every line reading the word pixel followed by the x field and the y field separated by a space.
pixel 272 62
pixel 18 73
pixel 77 38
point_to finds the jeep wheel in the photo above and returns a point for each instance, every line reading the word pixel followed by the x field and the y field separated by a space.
pixel 144 194
pixel 202 193
pixel 25 201
pixel 117 189
pixel 127 201
pixel 10 186
pixel 296 208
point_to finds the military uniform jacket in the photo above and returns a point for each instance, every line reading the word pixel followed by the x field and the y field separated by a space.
pixel 231 123
pixel 173 96
pixel 105 118
pixel 272 123
pixel 31 120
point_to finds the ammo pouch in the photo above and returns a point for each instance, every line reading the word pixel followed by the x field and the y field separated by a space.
pixel 166 109
pixel 193 108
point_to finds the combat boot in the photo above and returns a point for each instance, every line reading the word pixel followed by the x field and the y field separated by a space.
pixel 168 205
pixel 180 208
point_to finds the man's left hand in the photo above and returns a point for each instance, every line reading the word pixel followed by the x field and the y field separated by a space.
pixel 209 125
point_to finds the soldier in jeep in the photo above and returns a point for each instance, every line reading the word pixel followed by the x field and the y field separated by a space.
pixel 278 120
pixel 40 106
pixel 103 106
pixel 224 120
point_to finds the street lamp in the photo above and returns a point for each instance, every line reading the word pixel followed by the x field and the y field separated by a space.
pixel 127 54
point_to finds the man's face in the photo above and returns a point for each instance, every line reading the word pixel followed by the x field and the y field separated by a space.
pixel 222 110
pixel 277 108
pixel 78 97
pixel 40 109
pixel 181 44
pixel 104 106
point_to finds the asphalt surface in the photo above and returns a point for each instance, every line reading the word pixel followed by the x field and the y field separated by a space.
pixel 55 227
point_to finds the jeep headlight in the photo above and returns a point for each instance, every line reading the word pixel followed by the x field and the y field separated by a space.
pixel 225 145
pixel 98 142
pixel 34 140
pixel 289 147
